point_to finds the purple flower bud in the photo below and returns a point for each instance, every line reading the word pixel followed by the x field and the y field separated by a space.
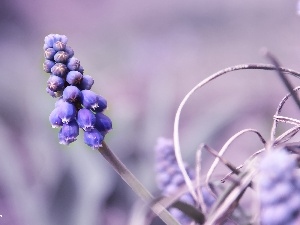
pixel 89 99
pixel 86 119
pixel 58 102
pixel 55 83
pixel 68 133
pixel 102 104
pixel 54 119
pixel 73 64
pixel 45 46
pixel 67 112
pixel 86 82
pixel 54 94
pixel 59 69
pixel 80 69
pixel 70 51
pixel 51 39
pixel 59 46
pixel 47 65
pixel 49 53
pixel 103 123
pixel 63 39
pixel 93 138
pixel 61 57
pixel 74 77
pixel 72 94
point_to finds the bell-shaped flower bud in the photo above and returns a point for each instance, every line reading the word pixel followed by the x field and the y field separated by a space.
pixel 102 104
pixel 47 65
pixel 72 94
pixel 68 133
pixel 53 94
pixel 58 102
pixel 70 51
pixel 80 69
pixel 59 69
pixel 51 39
pixel 49 53
pixel 63 39
pixel 103 123
pixel 73 64
pixel 55 83
pixel 67 112
pixel 74 77
pixel 59 46
pixel 93 138
pixel 86 119
pixel 86 82
pixel 61 57
pixel 54 119
pixel 89 99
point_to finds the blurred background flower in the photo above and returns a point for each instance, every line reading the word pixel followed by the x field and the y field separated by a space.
pixel 144 57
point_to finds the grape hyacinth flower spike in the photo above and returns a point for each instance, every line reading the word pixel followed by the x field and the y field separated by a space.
pixel 279 189
pixel 169 178
pixel 77 106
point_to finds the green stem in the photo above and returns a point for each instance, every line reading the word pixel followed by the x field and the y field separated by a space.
pixel 136 185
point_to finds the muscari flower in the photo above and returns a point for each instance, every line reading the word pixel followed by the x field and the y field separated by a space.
pixel 49 53
pixel 68 133
pixel 73 64
pixel 48 64
pixel 93 138
pixel 59 69
pixel 54 119
pixel 59 46
pixel 55 83
pixel 53 94
pixel 86 82
pixel 72 94
pixel 67 112
pixel 74 77
pixel 86 119
pixel 169 179
pixel 102 104
pixel 103 122
pixel 78 107
pixel 61 57
pixel 89 99
pixel 279 189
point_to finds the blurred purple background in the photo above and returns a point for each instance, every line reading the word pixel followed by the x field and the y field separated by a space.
pixel 144 57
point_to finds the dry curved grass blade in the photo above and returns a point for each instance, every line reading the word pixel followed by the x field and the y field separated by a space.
pixel 284 79
pixel 224 161
pixel 286 136
pixel 278 111
pixel 199 85
pixel 225 147
pixel 200 200
pixel 231 196
pixel 289 120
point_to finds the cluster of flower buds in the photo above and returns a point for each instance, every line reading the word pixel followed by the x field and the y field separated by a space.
pixel 77 106
pixel 279 189
pixel 169 178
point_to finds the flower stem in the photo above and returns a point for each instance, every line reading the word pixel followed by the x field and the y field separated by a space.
pixel 136 185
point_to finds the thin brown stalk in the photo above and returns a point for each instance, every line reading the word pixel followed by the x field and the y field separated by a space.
pixel 135 184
